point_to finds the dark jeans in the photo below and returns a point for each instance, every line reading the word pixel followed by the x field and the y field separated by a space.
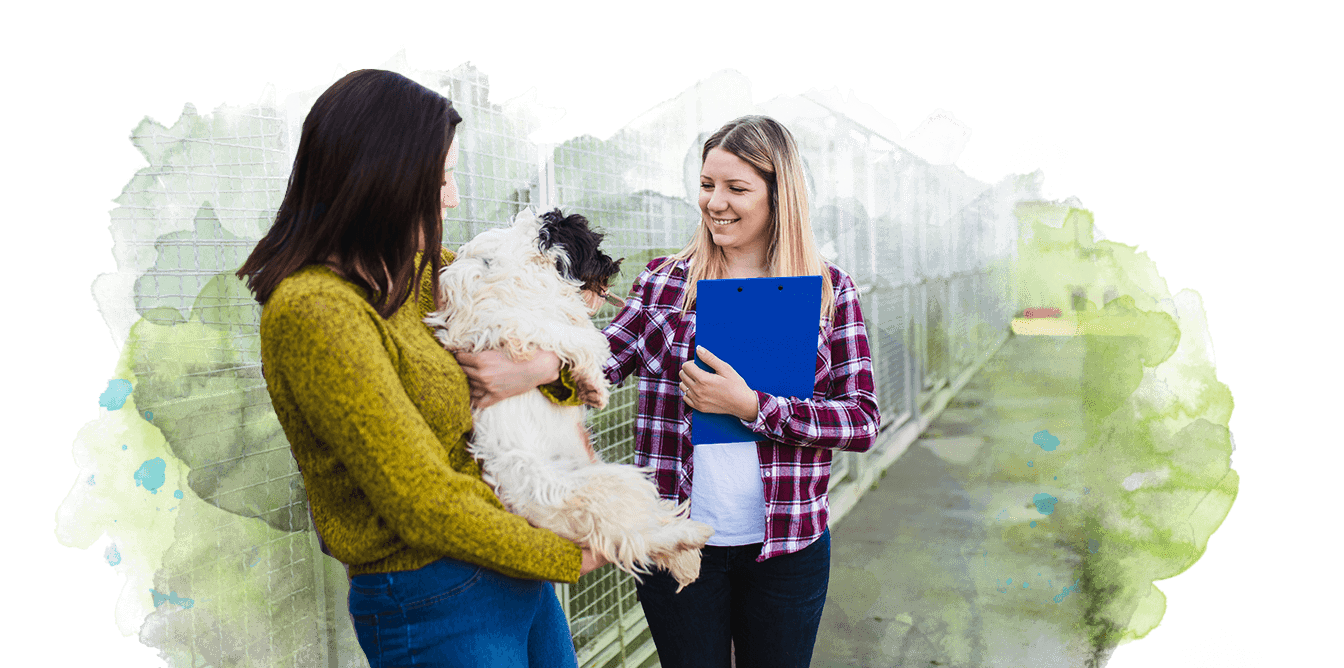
pixel 452 613
pixel 770 610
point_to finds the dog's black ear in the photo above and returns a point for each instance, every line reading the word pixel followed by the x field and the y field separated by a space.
pixel 582 245
pixel 549 220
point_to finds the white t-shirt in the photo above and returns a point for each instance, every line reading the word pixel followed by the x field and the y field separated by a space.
pixel 727 494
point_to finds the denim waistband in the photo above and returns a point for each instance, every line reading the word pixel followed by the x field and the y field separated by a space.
pixel 429 575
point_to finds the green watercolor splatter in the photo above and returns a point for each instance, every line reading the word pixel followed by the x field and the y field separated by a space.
pixel 1151 401
pixel 1151 405
pixel 200 414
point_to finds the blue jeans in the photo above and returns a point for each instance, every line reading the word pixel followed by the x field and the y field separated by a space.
pixel 769 610
pixel 452 613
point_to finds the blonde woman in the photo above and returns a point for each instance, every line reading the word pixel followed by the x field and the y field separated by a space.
pixel 376 412
pixel 764 574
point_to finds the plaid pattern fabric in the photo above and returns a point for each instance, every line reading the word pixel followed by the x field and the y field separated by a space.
pixel 652 338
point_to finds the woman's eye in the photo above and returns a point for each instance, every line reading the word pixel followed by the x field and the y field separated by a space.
pixel 738 190
pixel 706 186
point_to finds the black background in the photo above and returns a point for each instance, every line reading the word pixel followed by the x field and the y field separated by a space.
pixel 1100 135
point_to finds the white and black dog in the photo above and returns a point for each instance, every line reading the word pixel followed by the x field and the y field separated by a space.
pixel 527 287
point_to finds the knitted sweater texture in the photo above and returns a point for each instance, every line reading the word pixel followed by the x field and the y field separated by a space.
pixel 377 416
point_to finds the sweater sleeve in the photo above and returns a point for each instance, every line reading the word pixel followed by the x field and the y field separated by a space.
pixel 344 382
pixel 846 416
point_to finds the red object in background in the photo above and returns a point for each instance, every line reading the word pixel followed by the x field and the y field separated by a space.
pixel 1041 312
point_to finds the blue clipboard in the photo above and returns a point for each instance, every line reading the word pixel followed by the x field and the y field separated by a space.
pixel 766 328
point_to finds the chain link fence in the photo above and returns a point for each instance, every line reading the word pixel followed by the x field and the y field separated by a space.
pixel 930 248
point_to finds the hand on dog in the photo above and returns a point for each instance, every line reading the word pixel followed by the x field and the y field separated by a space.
pixel 723 391
pixel 494 376
pixel 591 562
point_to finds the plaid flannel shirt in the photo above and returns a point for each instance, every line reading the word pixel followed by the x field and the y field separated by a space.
pixel 651 337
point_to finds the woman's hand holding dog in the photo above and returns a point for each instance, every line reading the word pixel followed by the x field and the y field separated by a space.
pixel 723 391
pixel 591 562
pixel 494 376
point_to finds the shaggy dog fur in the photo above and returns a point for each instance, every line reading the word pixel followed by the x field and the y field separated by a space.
pixel 519 289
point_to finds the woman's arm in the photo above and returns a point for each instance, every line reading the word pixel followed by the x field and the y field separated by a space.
pixel 494 376
pixel 627 333
pixel 333 363
pixel 847 418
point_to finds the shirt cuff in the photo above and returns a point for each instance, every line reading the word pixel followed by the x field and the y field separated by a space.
pixel 767 405
pixel 563 392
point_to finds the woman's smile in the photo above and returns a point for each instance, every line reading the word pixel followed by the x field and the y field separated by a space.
pixel 735 204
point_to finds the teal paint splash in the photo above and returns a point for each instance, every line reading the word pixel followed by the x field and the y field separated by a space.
pixel 150 475
pixel 1064 593
pixel 1045 504
pixel 114 397
pixel 112 555
pixel 124 446
pixel 91 478
pixel 1046 440
pixel 177 494
pixel 170 597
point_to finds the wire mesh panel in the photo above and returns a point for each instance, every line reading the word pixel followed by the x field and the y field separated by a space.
pixel 862 246
pixel 976 231
pixel 243 575
pixel 817 160
pixel 187 219
pixel 497 172
pixel 958 340
pixel 934 211
pixel 921 214
pixel 887 223
pixel 964 307
pixel 918 343
pixel 891 365
pixel 984 315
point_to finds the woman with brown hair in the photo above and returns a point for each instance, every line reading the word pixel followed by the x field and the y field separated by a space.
pixel 376 412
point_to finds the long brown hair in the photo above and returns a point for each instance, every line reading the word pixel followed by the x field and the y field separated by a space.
pixel 769 148
pixel 364 190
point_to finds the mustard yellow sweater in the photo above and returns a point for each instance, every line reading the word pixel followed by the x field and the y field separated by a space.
pixel 377 414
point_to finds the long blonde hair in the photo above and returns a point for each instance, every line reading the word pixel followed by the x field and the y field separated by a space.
pixel 768 147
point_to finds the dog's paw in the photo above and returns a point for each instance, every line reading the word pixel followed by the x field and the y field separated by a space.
pixel 594 394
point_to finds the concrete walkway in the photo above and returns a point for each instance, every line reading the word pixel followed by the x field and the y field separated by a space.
pixel 923 570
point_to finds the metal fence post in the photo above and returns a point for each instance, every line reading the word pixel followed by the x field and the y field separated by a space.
pixel 949 313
